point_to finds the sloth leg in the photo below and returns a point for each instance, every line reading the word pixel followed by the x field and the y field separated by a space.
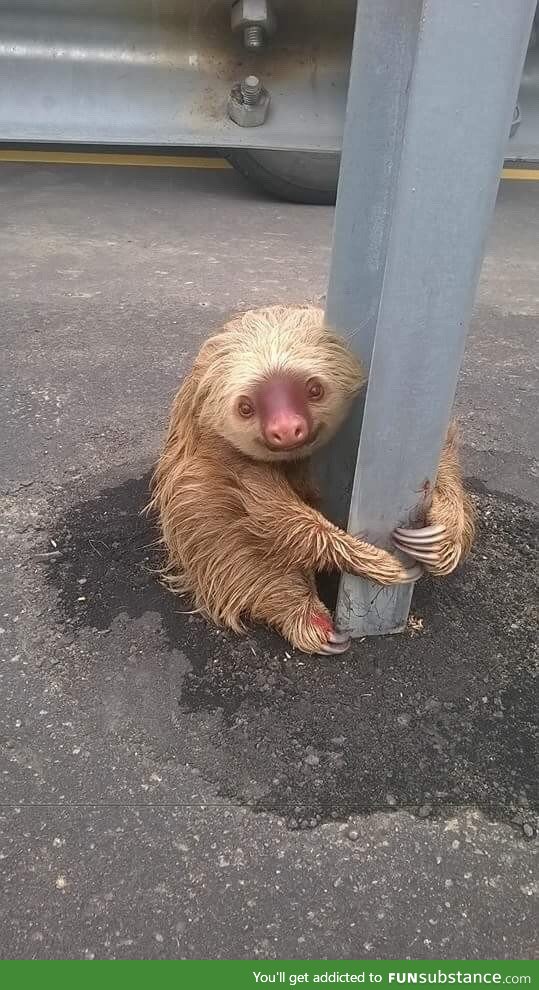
pixel 290 604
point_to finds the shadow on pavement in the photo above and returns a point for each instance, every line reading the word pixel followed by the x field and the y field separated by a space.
pixel 438 717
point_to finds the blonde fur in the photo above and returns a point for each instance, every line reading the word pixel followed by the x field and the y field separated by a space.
pixel 238 521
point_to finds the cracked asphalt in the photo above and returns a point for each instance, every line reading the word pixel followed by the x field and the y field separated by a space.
pixel 168 789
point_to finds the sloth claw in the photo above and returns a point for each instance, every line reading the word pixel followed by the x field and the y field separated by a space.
pixel 412 573
pixel 421 557
pixel 338 637
pixel 430 546
pixel 337 643
pixel 423 545
pixel 427 536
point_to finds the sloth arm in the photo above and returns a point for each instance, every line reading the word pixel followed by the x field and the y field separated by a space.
pixel 297 535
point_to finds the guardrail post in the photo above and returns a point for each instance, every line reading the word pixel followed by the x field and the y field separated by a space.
pixel 433 87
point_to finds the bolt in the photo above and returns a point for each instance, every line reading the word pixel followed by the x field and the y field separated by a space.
pixel 248 102
pixel 254 37
pixel 250 90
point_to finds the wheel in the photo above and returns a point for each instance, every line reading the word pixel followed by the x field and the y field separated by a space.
pixel 297 176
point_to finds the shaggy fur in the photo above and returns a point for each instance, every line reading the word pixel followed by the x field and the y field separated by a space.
pixel 452 507
pixel 239 522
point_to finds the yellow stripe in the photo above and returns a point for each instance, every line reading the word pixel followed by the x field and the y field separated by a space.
pixel 105 158
pixel 167 161
pixel 524 174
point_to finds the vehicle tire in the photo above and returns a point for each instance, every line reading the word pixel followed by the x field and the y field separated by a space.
pixel 296 176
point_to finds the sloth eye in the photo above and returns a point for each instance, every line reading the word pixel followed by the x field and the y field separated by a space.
pixel 246 408
pixel 315 389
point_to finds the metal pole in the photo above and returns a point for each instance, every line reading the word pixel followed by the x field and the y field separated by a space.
pixel 432 91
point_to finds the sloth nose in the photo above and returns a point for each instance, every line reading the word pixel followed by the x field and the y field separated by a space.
pixel 284 432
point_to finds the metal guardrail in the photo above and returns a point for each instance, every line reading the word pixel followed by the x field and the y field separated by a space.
pixel 161 72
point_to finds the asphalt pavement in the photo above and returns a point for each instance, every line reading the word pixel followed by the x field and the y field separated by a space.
pixel 172 790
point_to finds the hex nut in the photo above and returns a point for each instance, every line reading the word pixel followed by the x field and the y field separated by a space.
pixel 251 13
pixel 246 115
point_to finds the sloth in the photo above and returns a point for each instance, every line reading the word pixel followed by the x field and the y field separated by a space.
pixel 237 509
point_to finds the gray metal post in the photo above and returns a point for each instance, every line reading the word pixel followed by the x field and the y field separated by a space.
pixel 432 91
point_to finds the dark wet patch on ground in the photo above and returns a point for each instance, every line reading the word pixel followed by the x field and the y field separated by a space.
pixel 438 717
